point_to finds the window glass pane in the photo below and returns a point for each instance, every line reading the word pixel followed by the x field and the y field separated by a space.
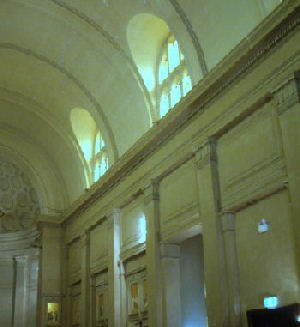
pixel 103 163
pixel 173 55
pixel 98 141
pixel 164 104
pixel 186 84
pixel 175 94
pixel 163 71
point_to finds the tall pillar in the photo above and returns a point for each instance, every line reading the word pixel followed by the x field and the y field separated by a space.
pixel 233 279
pixel 287 104
pixel 6 291
pixel 170 262
pixel 21 292
pixel 151 210
pixel 50 268
pixel 93 301
pixel 68 307
pixel 114 291
pixel 85 278
pixel 214 253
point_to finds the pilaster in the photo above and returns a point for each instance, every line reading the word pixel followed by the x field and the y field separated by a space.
pixel 287 103
pixel 233 279
pixel 151 210
pixel 214 252
pixel 170 262
pixel 85 278
pixel 114 291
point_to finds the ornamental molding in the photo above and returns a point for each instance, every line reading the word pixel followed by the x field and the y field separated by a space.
pixel 184 218
pixel 206 154
pixel 243 61
pixel 151 192
pixel 99 265
pixel 287 94
pixel 261 179
pixel 131 252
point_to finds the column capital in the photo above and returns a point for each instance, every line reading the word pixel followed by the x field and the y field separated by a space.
pixel 206 153
pixel 287 93
pixel 151 191
pixel 21 258
pixel 228 221
pixel 112 215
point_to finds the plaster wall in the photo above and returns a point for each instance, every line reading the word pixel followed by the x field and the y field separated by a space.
pixel 231 160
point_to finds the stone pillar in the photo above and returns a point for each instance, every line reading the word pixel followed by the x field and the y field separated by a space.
pixel 123 296
pixel 21 292
pixel 68 308
pixel 233 279
pixel 170 262
pixel 114 292
pixel 50 267
pixel 85 278
pixel 6 291
pixel 214 254
pixel 151 210
pixel 93 301
pixel 287 104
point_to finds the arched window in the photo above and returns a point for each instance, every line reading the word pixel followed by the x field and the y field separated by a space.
pixel 101 158
pixel 91 144
pixel 173 79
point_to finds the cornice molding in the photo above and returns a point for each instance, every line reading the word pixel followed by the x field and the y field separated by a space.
pixel 243 59
pixel 287 94
pixel 206 154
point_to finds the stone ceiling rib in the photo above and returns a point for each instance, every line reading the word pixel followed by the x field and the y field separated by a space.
pixel 190 30
pixel 31 105
pixel 111 40
pixel 70 76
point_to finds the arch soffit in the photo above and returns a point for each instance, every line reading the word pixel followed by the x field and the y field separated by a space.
pixel 75 16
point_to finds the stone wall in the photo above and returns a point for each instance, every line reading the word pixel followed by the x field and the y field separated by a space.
pixel 224 159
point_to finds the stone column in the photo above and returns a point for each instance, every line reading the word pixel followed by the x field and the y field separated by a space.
pixel 68 308
pixel 170 262
pixel 50 267
pixel 21 291
pixel 123 296
pixel 151 210
pixel 6 291
pixel 214 254
pixel 93 301
pixel 85 278
pixel 233 279
pixel 287 104
pixel 114 292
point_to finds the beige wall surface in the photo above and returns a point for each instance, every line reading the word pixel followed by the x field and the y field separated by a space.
pixel 222 160
pixel 267 261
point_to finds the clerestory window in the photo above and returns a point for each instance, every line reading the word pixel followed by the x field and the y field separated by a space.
pixel 174 82
pixel 91 144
